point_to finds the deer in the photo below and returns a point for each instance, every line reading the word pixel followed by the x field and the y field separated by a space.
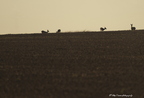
pixel 44 32
pixel 133 28
pixel 58 31
pixel 102 29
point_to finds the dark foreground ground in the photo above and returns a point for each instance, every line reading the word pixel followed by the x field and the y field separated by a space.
pixel 78 65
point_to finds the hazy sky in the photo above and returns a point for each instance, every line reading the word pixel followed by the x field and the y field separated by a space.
pixel 32 16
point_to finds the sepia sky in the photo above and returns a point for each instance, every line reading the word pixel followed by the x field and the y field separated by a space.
pixel 32 16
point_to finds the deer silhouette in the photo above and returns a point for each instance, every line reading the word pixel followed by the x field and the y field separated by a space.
pixel 102 29
pixel 133 28
pixel 58 31
pixel 44 32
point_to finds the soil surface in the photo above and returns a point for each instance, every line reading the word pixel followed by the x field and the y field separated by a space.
pixel 72 65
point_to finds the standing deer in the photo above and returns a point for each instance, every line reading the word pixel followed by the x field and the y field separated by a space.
pixel 133 28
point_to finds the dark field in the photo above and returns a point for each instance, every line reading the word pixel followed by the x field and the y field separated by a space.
pixel 72 65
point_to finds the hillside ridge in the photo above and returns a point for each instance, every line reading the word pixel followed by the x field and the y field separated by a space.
pixel 76 32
